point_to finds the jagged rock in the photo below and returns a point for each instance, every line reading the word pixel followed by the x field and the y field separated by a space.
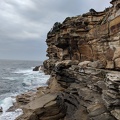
pixel 96 64
pixel 92 10
pixel 65 64
pixel 38 68
pixel 62 43
pixel 113 77
pixel 55 28
pixel 1 110
pixel 24 98
pixel 84 64
pixel 116 113
pixel 110 102
pixel 49 65
pixel 54 86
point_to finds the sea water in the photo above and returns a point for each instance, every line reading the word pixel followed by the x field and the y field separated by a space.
pixel 17 77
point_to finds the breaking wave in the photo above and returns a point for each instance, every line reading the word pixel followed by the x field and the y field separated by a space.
pixel 29 80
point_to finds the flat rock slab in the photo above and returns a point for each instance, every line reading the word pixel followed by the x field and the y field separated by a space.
pixel 96 109
pixel 40 102
pixel 116 113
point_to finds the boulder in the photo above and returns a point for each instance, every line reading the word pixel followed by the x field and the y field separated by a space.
pixel 36 68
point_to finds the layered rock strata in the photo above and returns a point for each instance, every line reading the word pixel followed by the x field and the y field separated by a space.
pixel 84 64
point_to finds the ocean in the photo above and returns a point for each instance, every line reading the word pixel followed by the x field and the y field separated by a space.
pixel 17 77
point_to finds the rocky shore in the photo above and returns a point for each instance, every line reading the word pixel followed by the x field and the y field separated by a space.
pixel 84 64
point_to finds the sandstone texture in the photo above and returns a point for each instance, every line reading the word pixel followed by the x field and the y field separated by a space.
pixel 84 64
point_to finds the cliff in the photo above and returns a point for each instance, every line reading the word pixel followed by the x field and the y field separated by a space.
pixel 84 64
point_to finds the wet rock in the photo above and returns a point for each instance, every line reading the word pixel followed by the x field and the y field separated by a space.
pixel 38 68
pixel 1 110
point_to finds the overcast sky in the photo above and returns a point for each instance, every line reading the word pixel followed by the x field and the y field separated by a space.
pixel 25 23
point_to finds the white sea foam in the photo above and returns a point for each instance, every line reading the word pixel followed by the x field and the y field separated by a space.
pixel 11 115
pixel 35 79
pixel 30 80
pixel 7 103
pixel 23 71
pixel 10 78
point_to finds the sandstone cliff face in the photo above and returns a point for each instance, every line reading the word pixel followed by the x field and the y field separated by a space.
pixel 84 59
pixel 90 37
pixel 84 64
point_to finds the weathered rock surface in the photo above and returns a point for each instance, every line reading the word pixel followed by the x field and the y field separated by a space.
pixel 84 64
pixel 24 98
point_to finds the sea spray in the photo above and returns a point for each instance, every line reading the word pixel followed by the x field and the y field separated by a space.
pixel 17 77
pixel 7 103
pixel 11 115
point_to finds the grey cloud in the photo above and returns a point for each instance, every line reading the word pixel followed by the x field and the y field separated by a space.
pixel 24 24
